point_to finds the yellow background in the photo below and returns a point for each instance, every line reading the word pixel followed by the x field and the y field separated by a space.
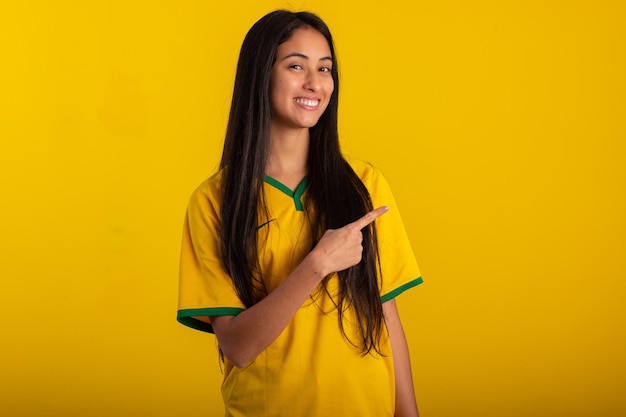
pixel 499 124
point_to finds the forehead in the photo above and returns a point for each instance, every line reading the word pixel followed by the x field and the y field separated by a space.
pixel 308 41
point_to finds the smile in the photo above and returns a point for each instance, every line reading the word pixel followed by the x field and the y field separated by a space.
pixel 307 102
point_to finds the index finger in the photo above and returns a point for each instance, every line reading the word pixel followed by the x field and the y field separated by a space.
pixel 370 217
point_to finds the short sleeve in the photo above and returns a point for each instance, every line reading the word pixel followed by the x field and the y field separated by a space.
pixel 205 288
pixel 399 268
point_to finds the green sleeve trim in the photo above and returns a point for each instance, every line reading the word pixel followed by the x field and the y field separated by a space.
pixel 186 316
pixel 401 289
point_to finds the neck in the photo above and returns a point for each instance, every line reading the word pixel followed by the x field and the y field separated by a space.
pixel 288 156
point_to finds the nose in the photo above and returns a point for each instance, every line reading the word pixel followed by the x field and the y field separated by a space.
pixel 312 82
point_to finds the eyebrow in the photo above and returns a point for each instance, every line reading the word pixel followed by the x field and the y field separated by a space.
pixel 301 55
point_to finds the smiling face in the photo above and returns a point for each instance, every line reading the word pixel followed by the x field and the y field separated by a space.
pixel 301 82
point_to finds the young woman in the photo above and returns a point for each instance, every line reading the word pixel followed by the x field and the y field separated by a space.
pixel 285 258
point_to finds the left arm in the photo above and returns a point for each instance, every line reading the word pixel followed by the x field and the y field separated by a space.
pixel 406 405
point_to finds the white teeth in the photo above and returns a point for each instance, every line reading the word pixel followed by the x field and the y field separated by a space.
pixel 310 103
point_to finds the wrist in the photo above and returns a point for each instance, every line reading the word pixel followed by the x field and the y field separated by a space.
pixel 314 265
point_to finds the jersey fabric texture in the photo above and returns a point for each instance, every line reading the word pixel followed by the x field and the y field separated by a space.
pixel 311 369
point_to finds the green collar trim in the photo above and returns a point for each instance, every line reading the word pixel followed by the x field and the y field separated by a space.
pixel 296 195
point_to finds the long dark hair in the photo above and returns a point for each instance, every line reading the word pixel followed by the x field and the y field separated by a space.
pixel 334 191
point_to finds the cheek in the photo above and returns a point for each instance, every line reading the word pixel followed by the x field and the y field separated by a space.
pixel 330 86
pixel 278 89
pixel 275 91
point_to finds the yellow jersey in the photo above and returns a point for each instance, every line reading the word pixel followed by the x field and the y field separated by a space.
pixel 311 369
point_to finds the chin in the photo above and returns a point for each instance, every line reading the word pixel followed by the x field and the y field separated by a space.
pixel 310 123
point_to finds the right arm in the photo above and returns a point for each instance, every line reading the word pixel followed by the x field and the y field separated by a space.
pixel 244 336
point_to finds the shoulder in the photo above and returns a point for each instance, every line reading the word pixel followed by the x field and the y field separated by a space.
pixel 208 195
pixel 210 187
pixel 374 180
pixel 368 173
